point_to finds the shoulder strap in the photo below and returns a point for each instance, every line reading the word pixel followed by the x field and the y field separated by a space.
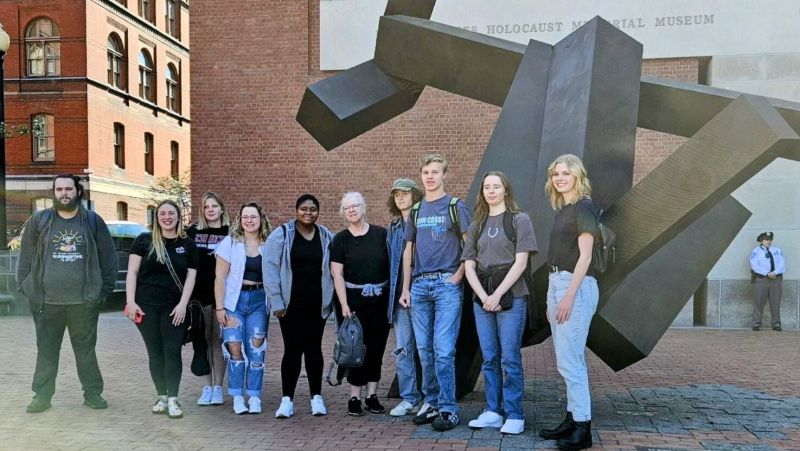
pixel 283 228
pixel 415 212
pixel 43 219
pixel 453 209
pixel 91 216
pixel 508 226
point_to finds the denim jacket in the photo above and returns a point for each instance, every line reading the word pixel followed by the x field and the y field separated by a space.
pixel 277 267
pixel 396 245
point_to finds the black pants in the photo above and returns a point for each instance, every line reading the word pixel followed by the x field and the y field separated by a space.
pixel 302 330
pixel 81 321
pixel 163 342
pixel 375 324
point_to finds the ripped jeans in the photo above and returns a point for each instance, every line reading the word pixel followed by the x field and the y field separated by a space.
pixel 247 324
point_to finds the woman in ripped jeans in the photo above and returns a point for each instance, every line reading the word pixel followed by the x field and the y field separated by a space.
pixel 241 306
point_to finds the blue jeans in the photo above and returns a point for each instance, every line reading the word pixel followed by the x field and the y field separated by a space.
pixel 406 356
pixel 500 336
pixel 436 316
pixel 246 324
pixel 569 339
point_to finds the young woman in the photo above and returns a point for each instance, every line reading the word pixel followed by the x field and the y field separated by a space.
pixel 241 306
pixel 572 294
pixel 299 288
pixel 162 268
pixel 494 263
pixel 403 196
pixel 211 228
pixel 360 268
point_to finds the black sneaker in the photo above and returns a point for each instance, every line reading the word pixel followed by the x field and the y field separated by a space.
pixel 777 328
pixel 756 328
pixel 373 405
pixel 354 407
pixel 94 401
pixel 445 421
pixel 426 414
pixel 38 404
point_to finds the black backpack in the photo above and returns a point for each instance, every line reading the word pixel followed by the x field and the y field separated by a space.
pixel 349 350
pixel 604 250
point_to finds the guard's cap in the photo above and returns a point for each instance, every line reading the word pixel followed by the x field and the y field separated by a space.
pixel 764 236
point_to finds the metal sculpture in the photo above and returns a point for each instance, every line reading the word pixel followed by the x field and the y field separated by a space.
pixel 584 95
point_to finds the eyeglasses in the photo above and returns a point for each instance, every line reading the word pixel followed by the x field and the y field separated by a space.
pixel 353 207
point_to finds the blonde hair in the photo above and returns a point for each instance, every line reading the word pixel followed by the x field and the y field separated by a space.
pixel 224 218
pixel 482 207
pixel 237 231
pixel 576 168
pixel 158 246
pixel 433 158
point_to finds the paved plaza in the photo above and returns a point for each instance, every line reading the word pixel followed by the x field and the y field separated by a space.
pixel 699 389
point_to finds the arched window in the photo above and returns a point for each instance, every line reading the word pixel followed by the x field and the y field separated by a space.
pixel 122 211
pixel 146 76
pixel 44 144
pixel 43 47
pixel 173 88
pixel 116 62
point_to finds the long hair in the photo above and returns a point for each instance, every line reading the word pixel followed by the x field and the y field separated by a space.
pixel 158 246
pixel 237 231
pixel 416 196
pixel 575 167
pixel 225 220
pixel 482 207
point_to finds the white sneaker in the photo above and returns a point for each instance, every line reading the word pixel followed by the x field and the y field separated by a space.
pixel 255 404
pixel 161 404
pixel 174 408
pixel 317 406
pixel 404 408
pixel 286 408
pixel 513 427
pixel 238 405
pixel 205 397
pixel 216 395
pixel 487 419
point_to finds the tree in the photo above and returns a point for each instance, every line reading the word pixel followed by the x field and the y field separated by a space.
pixel 14 131
pixel 176 189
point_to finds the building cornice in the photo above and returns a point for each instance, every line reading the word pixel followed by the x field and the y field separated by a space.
pixel 145 25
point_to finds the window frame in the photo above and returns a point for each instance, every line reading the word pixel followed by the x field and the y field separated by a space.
pixel 149 158
pixel 48 49
pixel 174 159
pixel 117 62
pixel 173 94
pixel 172 17
pixel 119 145
pixel 44 144
pixel 147 79
pixel 146 8
pixel 122 211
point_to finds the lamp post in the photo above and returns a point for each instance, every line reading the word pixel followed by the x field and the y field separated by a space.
pixel 5 41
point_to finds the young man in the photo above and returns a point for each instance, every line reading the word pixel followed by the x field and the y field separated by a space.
pixel 767 264
pixel 67 267
pixel 434 239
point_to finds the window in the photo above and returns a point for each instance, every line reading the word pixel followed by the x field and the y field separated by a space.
pixel 148 153
pixel 122 211
pixel 41 203
pixel 172 17
pixel 43 48
pixel 116 62
pixel 146 10
pixel 173 88
pixel 151 216
pixel 44 144
pixel 173 159
pixel 146 78
pixel 119 145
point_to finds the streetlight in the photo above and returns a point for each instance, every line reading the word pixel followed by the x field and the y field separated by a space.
pixel 5 41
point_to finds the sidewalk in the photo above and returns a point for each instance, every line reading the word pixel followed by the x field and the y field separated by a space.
pixel 699 389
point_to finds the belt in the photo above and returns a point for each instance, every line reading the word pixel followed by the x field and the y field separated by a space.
pixel 554 268
pixel 759 276
pixel 255 287
pixel 429 275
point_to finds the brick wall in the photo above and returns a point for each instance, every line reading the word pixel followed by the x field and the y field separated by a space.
pixel 248 146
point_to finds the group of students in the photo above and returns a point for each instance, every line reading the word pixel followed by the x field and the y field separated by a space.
pixel 407 276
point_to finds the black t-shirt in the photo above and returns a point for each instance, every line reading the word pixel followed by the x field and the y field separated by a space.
pixel 571 221
pixel 365 259
pixel 154 284
pixel 206 241
pixel 306 257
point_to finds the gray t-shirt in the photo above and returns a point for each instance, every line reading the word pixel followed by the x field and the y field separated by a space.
pixel 65 260
pixel 437 245
pixel 493 248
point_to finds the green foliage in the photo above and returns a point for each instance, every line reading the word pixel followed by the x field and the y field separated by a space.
pixel 176 189
pixel 14 131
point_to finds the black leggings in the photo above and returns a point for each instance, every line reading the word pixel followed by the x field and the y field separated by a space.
pixel 302 337
pixel 376 331
pixel 163 342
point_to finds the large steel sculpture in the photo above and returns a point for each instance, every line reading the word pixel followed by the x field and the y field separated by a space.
pixel 584 95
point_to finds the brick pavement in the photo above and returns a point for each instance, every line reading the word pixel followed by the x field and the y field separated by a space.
pixel 700 389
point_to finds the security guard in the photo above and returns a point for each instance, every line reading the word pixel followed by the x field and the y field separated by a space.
pixel 767 265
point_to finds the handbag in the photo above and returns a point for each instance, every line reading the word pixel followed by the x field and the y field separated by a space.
pixel 349 350
pixel 491 278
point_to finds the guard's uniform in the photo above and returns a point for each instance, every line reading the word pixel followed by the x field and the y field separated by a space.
pixel 763 261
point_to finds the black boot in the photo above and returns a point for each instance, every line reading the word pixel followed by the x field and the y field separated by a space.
pixel 579 438
pixel 560 431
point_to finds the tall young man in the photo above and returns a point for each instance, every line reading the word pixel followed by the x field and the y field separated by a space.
pixel 434 234
pixel 67 267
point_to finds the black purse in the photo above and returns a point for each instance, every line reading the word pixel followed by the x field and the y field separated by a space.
pixel 491 278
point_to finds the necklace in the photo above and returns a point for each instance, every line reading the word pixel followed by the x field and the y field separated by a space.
pixel 489 231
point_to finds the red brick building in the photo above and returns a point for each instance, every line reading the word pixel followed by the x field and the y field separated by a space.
pixel 109 80
pixel 250 68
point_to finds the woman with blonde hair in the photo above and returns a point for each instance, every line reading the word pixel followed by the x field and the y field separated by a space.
pixel 241 306
pixel 207 233
pixel 499 241
pixel 572 293
pixel 162 268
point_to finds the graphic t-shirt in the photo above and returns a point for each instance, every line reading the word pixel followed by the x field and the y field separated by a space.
pixel 65 260
pixel 437 246
pixel 154 284
pixel 206 241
